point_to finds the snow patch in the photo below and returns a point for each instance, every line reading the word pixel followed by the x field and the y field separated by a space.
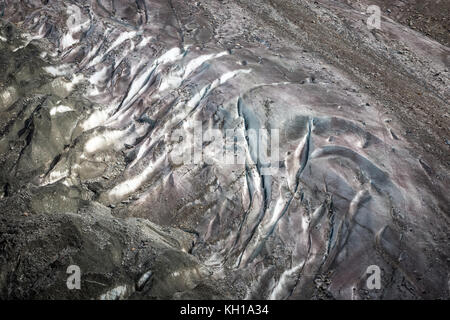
pixel 56 71
pixel 177 77
pixel 60 109
pixel 115 294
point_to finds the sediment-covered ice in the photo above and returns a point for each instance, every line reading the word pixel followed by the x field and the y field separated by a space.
pixel 140 86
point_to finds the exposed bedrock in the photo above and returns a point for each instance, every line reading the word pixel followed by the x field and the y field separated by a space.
pixel 99 98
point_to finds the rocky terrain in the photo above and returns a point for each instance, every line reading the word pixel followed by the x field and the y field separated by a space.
pixel 99 98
